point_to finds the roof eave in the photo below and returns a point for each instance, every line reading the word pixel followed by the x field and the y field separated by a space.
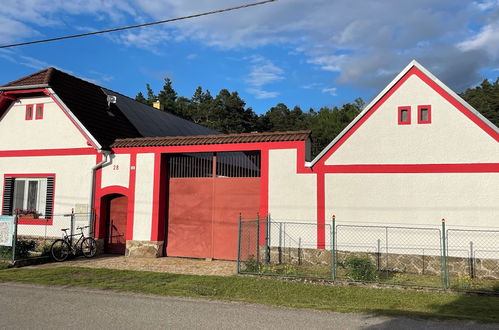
pixel 13 88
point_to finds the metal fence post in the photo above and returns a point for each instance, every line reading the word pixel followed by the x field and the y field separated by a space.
pixel 72 223
pixel 239 246
pixel 280 243
pixel 472 261
pixel 386 247
pixel 267 240
pixel 258 237
pixel 14 239
pixel 378 255
pixel 333 247
pixel 445 275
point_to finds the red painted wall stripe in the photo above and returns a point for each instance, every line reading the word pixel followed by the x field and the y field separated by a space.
pixel 264 193
pixel 156 200
pixel 48 152
pixel 131 197
pixel 321 211
pixel 413 168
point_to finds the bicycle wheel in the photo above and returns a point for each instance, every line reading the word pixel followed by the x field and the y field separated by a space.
pixel 89 247
pixel 60 250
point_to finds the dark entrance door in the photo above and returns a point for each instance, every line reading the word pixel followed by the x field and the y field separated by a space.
pixel 116 225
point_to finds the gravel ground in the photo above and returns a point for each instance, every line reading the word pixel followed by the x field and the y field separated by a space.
pixel 162 265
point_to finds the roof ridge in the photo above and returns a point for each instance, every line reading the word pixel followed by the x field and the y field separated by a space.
pixel 218 135
pixel 211 139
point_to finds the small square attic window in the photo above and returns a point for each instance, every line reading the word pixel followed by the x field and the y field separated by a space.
pixel 404 115
pixel 424 114
pixel 39 111
pixel 29 112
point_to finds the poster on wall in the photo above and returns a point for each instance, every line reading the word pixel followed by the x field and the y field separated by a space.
pixel 6 230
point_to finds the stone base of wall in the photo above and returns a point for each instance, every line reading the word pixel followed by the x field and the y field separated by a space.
pixel 404 263
pixel 144 249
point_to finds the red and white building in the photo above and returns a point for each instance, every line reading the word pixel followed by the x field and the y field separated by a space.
pixel 160 185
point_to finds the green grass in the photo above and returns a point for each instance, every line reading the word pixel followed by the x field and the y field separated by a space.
pixel 383 277
pixel 3 265
pixel 269 291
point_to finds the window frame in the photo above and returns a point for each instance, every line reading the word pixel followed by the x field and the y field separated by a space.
pixel 29 112
pixel 408 109
pixel 39 106
pixel 43 221
pixel 420 108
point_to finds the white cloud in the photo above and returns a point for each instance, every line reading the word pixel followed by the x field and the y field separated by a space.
pixel 262 94
pixel 311 86
pixel 329 90
pixel 487 39
pixel 332 63
pixel 146 38
pixel 262 72
pixel 354 41
pixel 191 57
pixel 32 62
pixel 487 4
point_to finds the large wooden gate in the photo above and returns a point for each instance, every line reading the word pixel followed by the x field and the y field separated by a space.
pixel 207 193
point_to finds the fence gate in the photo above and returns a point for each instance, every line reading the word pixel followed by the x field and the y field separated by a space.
pixel 207 193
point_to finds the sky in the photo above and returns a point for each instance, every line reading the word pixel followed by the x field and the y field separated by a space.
pixel 310 53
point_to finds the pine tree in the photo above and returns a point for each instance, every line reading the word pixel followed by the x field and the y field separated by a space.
pixel 167 98
pixel 140 97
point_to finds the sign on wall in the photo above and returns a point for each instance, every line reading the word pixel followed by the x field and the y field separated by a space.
pixel 6 230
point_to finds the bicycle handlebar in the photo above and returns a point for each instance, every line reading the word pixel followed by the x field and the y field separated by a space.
pixel 82 227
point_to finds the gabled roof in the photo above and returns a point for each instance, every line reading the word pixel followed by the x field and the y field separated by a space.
pixel 126 118
pixel 212 139
pixel 478 117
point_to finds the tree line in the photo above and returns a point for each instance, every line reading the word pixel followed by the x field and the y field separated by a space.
pixel 227 112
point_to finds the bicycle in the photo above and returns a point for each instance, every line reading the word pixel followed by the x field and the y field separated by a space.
pixel 61 248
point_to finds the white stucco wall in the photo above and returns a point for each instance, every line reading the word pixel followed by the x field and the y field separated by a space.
pixel 117 173
pixel 466 200
pixel 72 186
pixel 144 188
pixel 292 198
pixel 450 138
pixel 54 131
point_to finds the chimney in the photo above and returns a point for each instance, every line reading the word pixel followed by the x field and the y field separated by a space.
pixel 157 105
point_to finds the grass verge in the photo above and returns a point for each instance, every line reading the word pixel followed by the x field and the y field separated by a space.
pixel 269 291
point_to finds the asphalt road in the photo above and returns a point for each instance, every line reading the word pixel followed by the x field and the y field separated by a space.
pixel 36 307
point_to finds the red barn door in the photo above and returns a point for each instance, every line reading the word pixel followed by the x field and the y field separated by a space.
pixel 207 193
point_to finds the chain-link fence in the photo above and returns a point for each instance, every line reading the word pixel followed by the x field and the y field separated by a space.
pixel 472 258
pixel 392 255
pixel 24 237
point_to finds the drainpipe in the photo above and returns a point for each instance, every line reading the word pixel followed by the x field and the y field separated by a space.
pixel 105 161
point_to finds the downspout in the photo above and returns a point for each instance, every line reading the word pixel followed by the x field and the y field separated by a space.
pixel 105 161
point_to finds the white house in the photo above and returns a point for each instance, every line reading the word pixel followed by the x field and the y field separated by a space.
pixel 160 185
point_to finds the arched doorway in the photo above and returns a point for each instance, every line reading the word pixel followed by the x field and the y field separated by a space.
pixel 115 215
